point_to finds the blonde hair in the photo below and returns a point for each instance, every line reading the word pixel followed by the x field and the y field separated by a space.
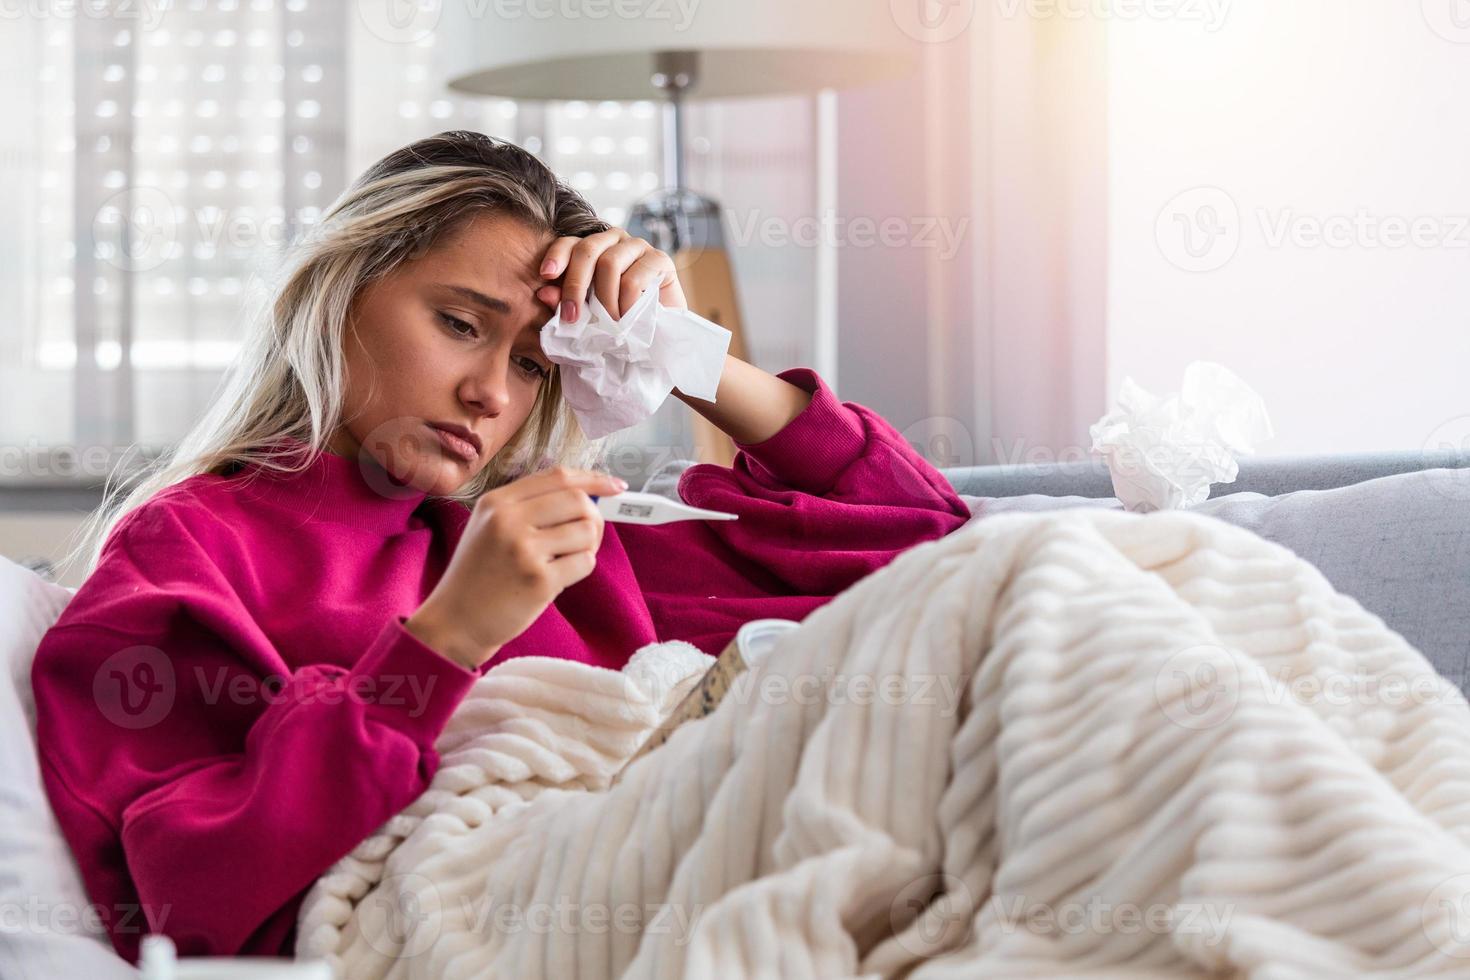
pixel 288 379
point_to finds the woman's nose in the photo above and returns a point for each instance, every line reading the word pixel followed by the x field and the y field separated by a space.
pixel 487 390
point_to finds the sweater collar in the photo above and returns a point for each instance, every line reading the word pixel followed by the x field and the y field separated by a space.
pixel 334 489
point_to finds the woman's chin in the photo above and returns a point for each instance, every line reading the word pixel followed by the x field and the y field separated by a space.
pixel 445 473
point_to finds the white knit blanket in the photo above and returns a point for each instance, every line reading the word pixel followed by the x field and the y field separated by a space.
pixel 1084 743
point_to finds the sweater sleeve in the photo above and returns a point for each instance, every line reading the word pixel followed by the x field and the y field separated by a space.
pixel 194 781
pixel 836 494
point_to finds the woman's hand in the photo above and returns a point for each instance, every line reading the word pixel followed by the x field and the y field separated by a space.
pixel 614 264
pixel 751 405
pixel 524 543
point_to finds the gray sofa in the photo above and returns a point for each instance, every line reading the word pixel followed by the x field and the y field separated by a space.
pixel 1392 529
pixel 1267 475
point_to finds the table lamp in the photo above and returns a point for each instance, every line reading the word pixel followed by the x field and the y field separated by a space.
pixel 642 48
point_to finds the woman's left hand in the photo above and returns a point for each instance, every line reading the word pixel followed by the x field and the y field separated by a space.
pixel 615 264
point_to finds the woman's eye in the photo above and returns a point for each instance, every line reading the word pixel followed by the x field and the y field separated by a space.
pixel 455 323
pixel 463 329
pixel 532 368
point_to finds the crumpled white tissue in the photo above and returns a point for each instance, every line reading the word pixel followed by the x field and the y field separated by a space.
pixel 1164 453
pixel 616 373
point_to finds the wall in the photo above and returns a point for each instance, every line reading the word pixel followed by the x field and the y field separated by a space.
pixel 910 254
pixel 988 348
pixel 41 535
pixel 1329 118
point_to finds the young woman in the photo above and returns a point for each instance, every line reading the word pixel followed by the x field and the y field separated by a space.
pixel 384 503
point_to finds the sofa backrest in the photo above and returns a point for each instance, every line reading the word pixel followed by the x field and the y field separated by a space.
pixel 1269 475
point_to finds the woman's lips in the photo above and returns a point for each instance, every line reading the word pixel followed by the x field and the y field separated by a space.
pixel 455 445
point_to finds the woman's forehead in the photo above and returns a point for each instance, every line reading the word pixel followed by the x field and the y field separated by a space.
pixel 501 236
pixel 504 262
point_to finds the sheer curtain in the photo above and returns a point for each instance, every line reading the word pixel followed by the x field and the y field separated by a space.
pixel 159 158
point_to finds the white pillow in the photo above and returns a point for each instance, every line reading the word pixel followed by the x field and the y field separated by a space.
pixel 44 930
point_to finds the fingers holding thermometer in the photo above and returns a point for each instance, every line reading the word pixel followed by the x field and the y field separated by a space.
pixel 523 544
pixel 563 517
pixel 560 512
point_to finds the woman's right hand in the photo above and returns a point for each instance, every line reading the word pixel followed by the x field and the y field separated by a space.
pixel 524 542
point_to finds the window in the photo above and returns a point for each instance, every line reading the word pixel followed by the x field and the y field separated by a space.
pixel 158 160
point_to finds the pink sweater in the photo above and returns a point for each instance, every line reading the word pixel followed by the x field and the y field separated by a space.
pixel 231 703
